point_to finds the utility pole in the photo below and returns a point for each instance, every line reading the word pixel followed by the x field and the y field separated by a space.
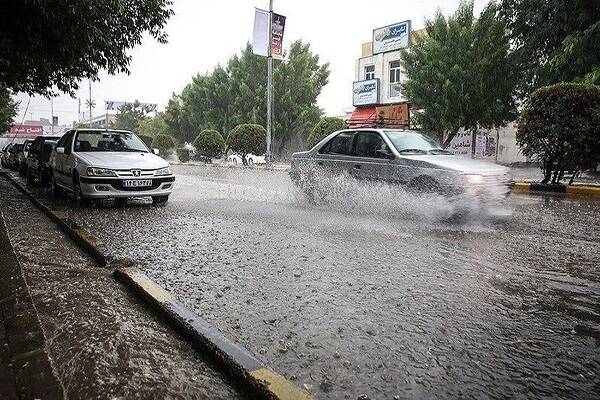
pixel 90 100
pixel 52 115
pixel 269 83
pixel 78 109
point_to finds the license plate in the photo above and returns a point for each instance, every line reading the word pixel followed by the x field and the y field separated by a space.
pixel 137 183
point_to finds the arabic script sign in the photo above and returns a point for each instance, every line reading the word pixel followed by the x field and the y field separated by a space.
pixel 365 92
pixel 391 37
pixel 18 130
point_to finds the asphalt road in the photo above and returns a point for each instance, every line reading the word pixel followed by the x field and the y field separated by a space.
pixel 371 293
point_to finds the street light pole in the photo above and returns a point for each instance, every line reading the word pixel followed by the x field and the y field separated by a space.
pixel 90 100
pixel 269 83
pixel 52 115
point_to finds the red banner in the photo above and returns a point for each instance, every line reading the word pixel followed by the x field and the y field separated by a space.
pixel 18 130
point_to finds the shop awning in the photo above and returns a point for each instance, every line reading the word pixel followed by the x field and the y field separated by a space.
pixel 364 117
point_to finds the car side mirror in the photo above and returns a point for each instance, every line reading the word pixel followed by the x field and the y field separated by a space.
pixel 60 150
pixel 155 151
pixel 384 153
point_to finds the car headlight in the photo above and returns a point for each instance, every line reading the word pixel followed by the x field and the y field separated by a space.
pixel 92 171
pixel 474 178
pixel 163 171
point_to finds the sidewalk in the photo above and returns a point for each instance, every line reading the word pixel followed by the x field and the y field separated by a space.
pixel 534 174
pixel 25 369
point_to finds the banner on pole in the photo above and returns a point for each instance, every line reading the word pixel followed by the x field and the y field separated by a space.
pixel 260 38
pixel 277 27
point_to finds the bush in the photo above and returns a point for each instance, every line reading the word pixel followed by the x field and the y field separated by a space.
pixel 560 126
pixel 247 138
pixel 164 143
pixel 147 139
pixel 209 143
pixel 183 154
pixel 324 127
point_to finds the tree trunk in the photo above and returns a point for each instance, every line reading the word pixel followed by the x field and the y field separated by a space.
pixel 547 168
pixel 575 172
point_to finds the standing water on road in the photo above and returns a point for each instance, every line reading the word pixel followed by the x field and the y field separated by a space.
pixel 382 300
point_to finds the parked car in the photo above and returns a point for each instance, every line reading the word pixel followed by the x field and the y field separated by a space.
pixel 251 159
pixel 13 156
pixel 100 163
pixel 4 155
pixel 409 158
pixel 38 159
pixel 22 156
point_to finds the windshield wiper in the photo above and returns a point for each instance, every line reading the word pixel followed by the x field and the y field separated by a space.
pixel 418 151
pixel 439 151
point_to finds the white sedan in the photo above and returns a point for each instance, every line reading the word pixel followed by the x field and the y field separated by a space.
pixel 100 163
pixel 251 159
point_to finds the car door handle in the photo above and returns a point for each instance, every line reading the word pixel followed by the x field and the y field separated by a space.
pixel 356 166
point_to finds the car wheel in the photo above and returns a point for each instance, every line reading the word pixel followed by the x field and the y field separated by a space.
pixel 250 162
pixel 159 200
pixel 54 188
pixel 80 199
pixel 235 160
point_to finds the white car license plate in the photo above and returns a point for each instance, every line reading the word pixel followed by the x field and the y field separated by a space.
pixel 137 183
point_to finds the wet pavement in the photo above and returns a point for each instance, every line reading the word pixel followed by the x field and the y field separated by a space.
pixel 371 294
pixel 104 344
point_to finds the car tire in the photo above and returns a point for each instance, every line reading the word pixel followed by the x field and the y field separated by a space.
pixel 235 161
pixel 250 162
pixel 54 188
pixel 160 200
pixel 80 199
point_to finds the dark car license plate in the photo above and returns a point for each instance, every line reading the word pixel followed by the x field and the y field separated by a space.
pixel 137 183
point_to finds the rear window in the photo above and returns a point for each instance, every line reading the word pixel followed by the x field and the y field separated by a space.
pixel 340 144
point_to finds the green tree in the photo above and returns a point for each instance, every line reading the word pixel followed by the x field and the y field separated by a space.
pixel 8 109
pixel 59 43
pixel 560 126
pixel 164 143
pixel 247 139
pixel 130 117
pixel 236 94
pixel 153 126
pixel 553 41
pixel 324 127
pixel 209 143
pixel 183 154
pixel 177 125
pixel 459 74
pixel 147 140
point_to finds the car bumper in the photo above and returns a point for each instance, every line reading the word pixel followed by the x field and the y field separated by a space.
pixel 101 188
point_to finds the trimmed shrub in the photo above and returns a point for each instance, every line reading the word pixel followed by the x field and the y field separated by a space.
pixel 147 139
pixel 560 126
pixel 183 154
pixel 164 143
pixel 247 138
pixel 210 144
pixel 324 127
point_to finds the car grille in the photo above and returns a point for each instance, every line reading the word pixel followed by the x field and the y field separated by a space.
pixel 126 173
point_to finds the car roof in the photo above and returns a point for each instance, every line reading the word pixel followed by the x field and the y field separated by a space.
pixel 102 130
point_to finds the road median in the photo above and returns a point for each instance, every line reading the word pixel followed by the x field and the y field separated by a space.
pixel 577 189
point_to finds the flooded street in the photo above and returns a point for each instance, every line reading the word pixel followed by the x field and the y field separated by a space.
pixel 104 344
pixel 371 293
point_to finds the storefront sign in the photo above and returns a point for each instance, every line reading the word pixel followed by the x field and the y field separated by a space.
pixel 391 37
pixel 365 92
pixel 18 130
pixel 393 116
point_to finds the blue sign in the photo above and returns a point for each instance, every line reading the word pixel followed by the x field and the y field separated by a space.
pixel 365 92
pixel 391 37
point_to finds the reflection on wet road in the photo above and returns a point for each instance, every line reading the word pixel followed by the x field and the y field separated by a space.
pixel 370 293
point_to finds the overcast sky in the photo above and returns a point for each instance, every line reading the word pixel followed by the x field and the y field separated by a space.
pixel 203 34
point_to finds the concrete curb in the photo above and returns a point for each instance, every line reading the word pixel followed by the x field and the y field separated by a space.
pixel 235 360
pixel 238 361
pixel 232 166
pixel 84 239
pixel 557 188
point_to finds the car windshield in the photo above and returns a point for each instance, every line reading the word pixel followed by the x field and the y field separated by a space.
pixel 414 143
pixel 108 141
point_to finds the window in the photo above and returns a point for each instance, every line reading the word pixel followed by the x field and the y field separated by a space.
pixel 371 144
pixel 369 72
pixel 340 144
pixel 394 79
pixel 108 141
